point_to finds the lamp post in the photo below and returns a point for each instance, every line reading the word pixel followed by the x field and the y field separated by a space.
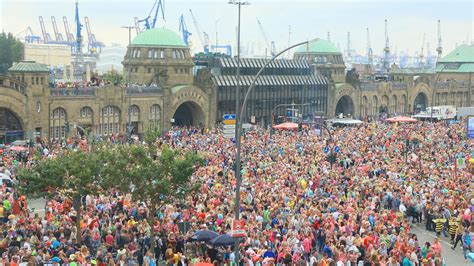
pixel 239 118
pixel 129 123
pixel 282 105
pixel 237 129
pixel 434 91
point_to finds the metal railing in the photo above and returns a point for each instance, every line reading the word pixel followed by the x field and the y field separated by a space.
pixel 399 85
pixel 369 86
pixel 65 92
pixel 144 90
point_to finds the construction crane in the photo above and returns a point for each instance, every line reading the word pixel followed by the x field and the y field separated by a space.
pixel 57 34
pixel 159 6
pixel 267 43
pixel 46 35
pixel 203 37
pixel 370 55
pixel 420 62
pixel 93 45
pixel 348 51
pixel 78 57
pixel 386 50
pixel 69 35
pixel 183 28
pixel 440 45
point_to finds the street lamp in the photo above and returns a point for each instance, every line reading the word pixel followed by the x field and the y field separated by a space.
pixel 282 105
pixel 239 117
pixel 129 124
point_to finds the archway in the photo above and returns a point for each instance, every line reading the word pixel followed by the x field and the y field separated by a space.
pixel 421 102
pixel 10 126
pixel 188 114
pixel 345 106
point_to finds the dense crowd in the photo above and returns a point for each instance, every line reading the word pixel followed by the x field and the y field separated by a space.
pixel 298 209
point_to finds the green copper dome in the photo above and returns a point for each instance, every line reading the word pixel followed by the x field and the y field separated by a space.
pixel 462 54
pixel 158 37
pixel 319 46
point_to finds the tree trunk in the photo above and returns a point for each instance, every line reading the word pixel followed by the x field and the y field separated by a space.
pixel 78 220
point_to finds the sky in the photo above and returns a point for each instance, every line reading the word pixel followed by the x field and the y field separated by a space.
pixel 408 20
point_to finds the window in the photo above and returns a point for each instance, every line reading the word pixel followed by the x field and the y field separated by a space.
pixel 85 112
pixel 155 54
pixel 176 71
pixel 174 54
pixel 150 53
pixel 57 118
pixel 155 111
pixel 109 121
pixel 149 70
pixel 138 53
pixel 162 54
pixel 134 110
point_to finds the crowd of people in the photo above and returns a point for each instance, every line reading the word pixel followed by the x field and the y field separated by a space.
pixel 298 208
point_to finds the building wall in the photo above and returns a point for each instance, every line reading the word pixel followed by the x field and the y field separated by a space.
pixel 54 55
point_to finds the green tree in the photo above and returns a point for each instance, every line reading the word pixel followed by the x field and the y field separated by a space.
pixel 74 174
pixel 11 51
pixel 156 176
pixel 113 77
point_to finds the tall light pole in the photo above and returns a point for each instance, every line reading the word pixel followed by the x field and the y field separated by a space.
pixel 129 123
pixel 239 118
pixel 237 131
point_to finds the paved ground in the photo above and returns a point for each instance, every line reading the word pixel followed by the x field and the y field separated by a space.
pixel 451 257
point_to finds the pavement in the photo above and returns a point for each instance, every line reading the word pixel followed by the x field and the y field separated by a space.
pixel 451 257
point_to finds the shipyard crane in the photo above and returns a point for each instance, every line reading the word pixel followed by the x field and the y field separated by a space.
pixel 46 35
pixel 420 62
pixel 348 46
pixel 267 43
pixel 78 56
pixel 93 45
pixel 183 28
pixel 370 55
pixel 69 35
pixel 29 36
pixel 429 56
pixel 151 25
pixel 203 37
pixel 57 34
pixel 386 50
pixel 440 46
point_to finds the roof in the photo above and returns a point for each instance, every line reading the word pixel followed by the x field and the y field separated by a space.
pixel 158 37
pixel 270 80
pixel 260 62
pixel 456 68
pixel 29 66
pixel 462 54
pixel 319 46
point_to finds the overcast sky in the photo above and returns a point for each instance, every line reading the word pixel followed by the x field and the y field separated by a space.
pixel 408 20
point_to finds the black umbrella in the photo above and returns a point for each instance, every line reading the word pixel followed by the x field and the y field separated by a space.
pixel 223 241
pixel 204 235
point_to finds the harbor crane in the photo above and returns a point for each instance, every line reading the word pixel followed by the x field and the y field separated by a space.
pixel 203 36
pixel 93 45
pixel 159 4
pixel 46 35
pixel 370 54
pixel 183 28
pixel 439 49
pixel 420 63
pixel 270 47
pixel 386 50
pixel 57 34
pixel 69 35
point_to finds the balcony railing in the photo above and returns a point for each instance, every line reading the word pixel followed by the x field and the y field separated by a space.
pixel 64 92
pixel 369 86
pixel 399 85
pixel 144 90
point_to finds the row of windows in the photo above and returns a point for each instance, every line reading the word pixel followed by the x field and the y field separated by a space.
pixel 159 54
pixel 34 80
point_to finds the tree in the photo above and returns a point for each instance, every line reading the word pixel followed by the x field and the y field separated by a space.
pixel 11 51
pixel 113 77
pixel 74 174
pixel 156 177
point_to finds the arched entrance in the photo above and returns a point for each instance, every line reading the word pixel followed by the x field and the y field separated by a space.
pixel 188 114
pixel 421 102
pixel 345 106
pixel 10 126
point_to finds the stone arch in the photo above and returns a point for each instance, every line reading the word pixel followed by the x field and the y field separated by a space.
pixel 345 106
pixel 189 113
pixel 197 100
pixel 364 106
pixel 404 104
pixel 375 105
pixel 11 126
pixel 394 104
pixel 384 105
pixel 421 102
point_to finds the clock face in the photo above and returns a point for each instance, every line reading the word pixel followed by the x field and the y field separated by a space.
pixel 38 107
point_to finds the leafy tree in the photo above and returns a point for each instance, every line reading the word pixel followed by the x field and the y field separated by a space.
pixel 11 51
pixel 113 77
pixel 156 177
pixel 74 174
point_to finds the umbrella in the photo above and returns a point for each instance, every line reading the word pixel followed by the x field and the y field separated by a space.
pixel 223 241
pixel 204 235
pixel 288 126
pixel 18 148
pixel 402 119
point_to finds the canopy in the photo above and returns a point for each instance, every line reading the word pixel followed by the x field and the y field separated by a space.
pixel 288 126
pixel 345 121
pixel 402 119
pixel 18 148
